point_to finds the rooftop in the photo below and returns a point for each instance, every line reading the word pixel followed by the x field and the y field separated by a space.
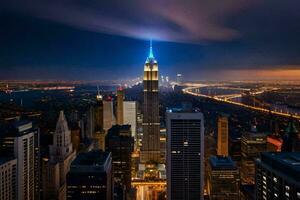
pixel 285 163
pixel 222 163
pixel 92 158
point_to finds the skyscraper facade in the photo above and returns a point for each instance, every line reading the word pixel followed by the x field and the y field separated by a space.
pixel 90 176
pixel 130 116
pixel 120 100
pixel 61 156
pixel 120 143
pixel 185 155
pixel 151 124
pixel 222 148
pixel 277 176
pixel 8 178
pixel 223 179
pixel 252 143
pixel 18 141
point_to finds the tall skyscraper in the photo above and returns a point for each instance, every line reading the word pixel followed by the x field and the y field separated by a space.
pixel 252 143
pixel 120 143
pixel 90 176
pixel 108 115
pixel 222 148
pixel 61 156
pixel 8 178
pixel 18 140
pixel 185 155
pixel 120 110
pixel 151 124
pixel 277 176
pixel 130 116
pixel 223 179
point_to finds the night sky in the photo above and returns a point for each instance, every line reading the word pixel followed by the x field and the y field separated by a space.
pixel 97 39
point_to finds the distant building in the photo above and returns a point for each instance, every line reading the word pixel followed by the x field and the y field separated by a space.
pixel 61 156
pixel 252 143
pixel 185 155
pixel 291 138
pixel 223 179
pixel 277 176
pixel 21 141
pixel 151 124
pixel 222 147
pixel 90 177
pixel 120 143
pixel 120 110
pixel 108 115
pixel 8 178
pixel 130 116
pixel 179 79
pixel 75 138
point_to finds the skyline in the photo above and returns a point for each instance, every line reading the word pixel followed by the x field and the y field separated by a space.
pixel 239 41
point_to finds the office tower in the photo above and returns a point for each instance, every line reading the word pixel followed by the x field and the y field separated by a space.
pixel 61 156
pixel 90 176
pixel 222 149
pixel 150 144
pixel 130 116
pixel 120 143
pixel 120 110
pixel 277 176
pixel 8 178
pixel 108 115
pixel 99 113
pixel 252 143
pixel 223 179
pixel 291 140
pixel 75 138
pixel 185 155
pixel 19 140
pixel 179 78
pixel 90 122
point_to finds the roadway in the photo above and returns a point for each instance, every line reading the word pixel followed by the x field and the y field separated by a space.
pixel 189 90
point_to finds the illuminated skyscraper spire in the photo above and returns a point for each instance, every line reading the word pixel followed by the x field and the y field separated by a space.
pixel 151 52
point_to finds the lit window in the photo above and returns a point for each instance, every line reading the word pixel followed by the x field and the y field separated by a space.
pixel 275 179
pixel 287 187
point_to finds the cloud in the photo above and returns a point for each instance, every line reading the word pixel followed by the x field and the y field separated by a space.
pixel 169 20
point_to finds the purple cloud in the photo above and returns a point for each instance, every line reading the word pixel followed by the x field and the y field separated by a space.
pixel 169 20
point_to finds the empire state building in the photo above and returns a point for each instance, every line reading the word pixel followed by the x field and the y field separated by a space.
pixel 151 134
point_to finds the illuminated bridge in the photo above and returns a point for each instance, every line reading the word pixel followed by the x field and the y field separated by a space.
pixel 189 90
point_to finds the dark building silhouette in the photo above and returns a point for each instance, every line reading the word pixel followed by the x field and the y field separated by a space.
pixel 223 179
pixel 291 141
pixel 120 143
pixel 90 176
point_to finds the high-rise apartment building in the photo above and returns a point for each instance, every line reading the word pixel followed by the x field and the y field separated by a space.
pixel 223 179
pixel 90 176
pixel 151 124
pixel 222 147
pixel 185 155
pixel 252 143
pixel 20 140
pixel 8 178
pixel 277 176
pixel 61 156
pixel 120 104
